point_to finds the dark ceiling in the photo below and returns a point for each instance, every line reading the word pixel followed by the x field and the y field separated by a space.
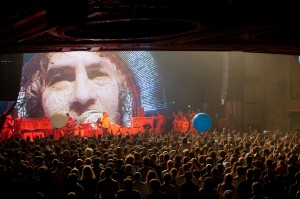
pixel 260 26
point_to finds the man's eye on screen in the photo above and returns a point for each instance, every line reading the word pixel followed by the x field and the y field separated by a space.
pixel 99 75
pixel 59 79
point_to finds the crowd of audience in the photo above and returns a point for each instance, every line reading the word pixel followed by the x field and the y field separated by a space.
pixel 211 165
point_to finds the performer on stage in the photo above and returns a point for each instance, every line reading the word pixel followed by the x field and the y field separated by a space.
pixel 8 128
pixel 70 122
pixel 105 124
pixel 70 126
pixel 98 126
pixel 17 126
pixel 99 123
pixel 160 122
pixel 185 125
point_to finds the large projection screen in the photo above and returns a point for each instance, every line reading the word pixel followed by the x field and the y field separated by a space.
pixel 86 84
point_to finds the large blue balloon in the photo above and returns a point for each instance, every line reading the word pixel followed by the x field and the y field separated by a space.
pixel 202 122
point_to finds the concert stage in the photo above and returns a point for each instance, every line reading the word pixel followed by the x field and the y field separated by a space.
pixel 42 127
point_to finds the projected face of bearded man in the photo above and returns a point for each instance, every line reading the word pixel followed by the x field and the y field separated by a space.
pixel 83 84
pixel 78 82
